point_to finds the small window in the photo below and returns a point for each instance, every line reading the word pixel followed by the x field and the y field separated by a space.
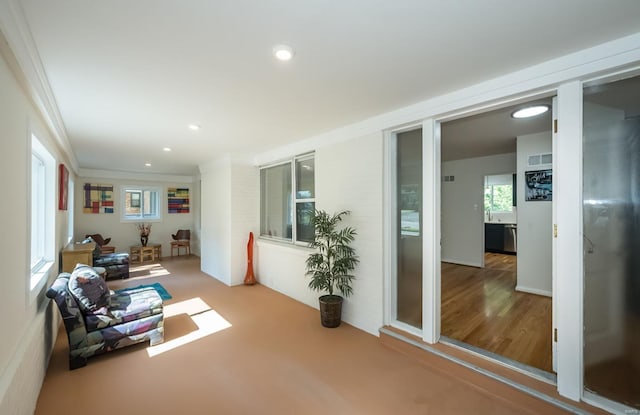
pixel 286 214
pixel 42 220
pixel 38 210
pixel 140 203
pixel 70 210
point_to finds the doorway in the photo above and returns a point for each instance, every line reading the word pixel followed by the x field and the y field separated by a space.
pixel 496 275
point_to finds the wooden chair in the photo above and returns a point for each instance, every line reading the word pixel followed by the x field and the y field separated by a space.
pixel 102 243
pixel 181 239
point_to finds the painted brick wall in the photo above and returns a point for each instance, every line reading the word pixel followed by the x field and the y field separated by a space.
pixel 349 175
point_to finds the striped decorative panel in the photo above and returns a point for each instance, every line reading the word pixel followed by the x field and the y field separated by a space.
pixel 178 200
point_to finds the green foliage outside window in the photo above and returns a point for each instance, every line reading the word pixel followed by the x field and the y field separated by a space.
pixel 498 198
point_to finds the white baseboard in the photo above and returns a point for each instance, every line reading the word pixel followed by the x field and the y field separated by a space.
pixel 455 261
pixel 536 291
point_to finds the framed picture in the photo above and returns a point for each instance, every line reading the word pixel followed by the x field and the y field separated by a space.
pixel 538 186
pixel 63 186
pixel 178 200
pixel 98 198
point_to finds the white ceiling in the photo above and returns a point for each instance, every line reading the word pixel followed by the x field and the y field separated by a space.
pixel 492 132
pixel 129 76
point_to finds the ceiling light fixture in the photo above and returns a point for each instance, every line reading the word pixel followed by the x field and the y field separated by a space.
pixel 531 111
pixel 194 127
pixel 147 164
pixel 167 149
pixel 283 52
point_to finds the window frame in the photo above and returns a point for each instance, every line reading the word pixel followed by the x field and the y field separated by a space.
pixel 124 189
pixel 70 209
pixel 292 197
pixel 41 213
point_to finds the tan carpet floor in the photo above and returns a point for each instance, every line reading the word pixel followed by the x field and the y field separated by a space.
pixel 272 358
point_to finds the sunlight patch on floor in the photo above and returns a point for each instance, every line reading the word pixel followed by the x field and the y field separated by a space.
pixel 148 271
pixel 207 320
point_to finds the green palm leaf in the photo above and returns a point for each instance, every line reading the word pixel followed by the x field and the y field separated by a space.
pixel 331 266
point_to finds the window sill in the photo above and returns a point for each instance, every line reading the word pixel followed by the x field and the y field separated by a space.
pixel 138 220
pixel 39 278
pixel 285 245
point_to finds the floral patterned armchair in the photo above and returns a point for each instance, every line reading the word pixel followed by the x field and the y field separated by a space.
pixel 131 317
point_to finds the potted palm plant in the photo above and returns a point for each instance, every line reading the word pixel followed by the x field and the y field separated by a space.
pixel 331 265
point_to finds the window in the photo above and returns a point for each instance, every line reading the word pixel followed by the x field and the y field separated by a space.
pixel 43 184
pixel 140 203
pixel 287 200
pixel 498 198
pixel 70 209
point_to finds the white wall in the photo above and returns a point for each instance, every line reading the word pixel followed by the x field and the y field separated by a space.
pixel 348 177
pixel 29 323
pixel 230 206
pixel 125 234
pixel 245 216
pixel 535 223
pixel 462 206
pixel 216 219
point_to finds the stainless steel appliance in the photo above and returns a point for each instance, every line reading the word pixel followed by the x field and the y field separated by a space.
pixel 510 237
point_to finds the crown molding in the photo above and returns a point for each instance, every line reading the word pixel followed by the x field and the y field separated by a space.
pixel 123 175
pixel 14 27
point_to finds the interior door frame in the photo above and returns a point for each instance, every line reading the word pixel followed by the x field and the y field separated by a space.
pixel 431 242
pixel 568 240
pixel 564 77
pixel 432 253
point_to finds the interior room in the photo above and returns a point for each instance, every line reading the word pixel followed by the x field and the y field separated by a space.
pixel 161 153
pixel 496 283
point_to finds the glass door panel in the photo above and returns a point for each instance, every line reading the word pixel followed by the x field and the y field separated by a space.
pixel 611 230
pixel 409 221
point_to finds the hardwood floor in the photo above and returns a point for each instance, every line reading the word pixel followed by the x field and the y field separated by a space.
pixel 481 307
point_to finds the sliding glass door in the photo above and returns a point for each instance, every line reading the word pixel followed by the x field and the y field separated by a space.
pixel 611 230
pixel 409 227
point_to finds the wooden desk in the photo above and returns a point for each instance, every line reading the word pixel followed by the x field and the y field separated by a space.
pixel 73 254
pixel 151 252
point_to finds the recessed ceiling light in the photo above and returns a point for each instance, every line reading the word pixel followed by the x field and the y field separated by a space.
pixel 167 149
pixel 194 127
pixel 531 111
pixel 283 52
pixel 147 164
